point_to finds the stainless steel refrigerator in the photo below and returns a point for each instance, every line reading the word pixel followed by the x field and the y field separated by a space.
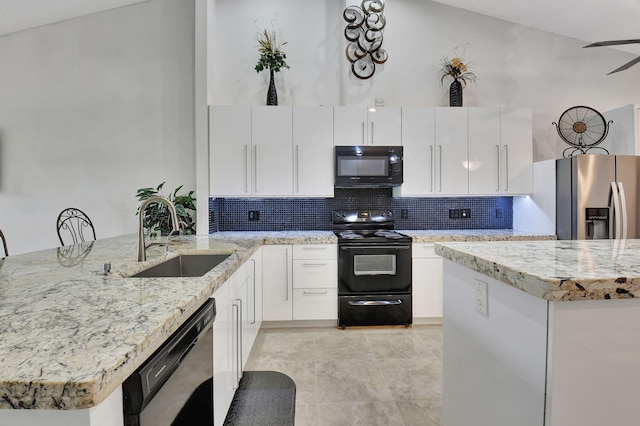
pixel 597 197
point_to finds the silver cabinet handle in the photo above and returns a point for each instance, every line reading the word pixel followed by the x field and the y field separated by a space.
pixel 255 168
pixel 286 264
pixel 239 339
pixel 253 285
pixel 372 133
pixel 297 165
pixel 506 167
pixel 431 162
pixel 375 302
pixel 313 248
pixel 363 140
pixel 246 168
pixel 498 169
pixel 440 169
pixel 315 292
pixel 314 264
pixel 235 335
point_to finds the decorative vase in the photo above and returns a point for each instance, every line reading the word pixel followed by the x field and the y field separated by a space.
pixel 455 93
pixel 272 95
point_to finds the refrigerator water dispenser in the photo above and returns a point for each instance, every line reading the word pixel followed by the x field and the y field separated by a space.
pixel 597 223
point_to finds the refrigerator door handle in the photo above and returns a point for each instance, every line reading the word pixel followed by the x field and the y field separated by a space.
pixel 623 210
pixel 615 227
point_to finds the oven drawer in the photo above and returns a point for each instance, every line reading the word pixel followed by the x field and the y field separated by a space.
pixel 315 304
pixel 315 251
pixel 321 273
pixel 393 309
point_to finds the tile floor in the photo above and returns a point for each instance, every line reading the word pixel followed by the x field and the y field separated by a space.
pixel 358 376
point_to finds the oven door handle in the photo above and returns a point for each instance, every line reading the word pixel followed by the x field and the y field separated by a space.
pixel 373 247
pixel 375 302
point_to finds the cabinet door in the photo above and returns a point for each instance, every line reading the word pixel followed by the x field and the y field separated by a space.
pixel 452 176
pixel 349 125
pixel 517 151
pixel 418 135
pixel 277 296
pixel 224 375
pixel 230 150
pixel 384 126
pixel 484 151
pixel 427 282
pixel 313 151
pixel 254 308
pixel 272 139
pixel 315 304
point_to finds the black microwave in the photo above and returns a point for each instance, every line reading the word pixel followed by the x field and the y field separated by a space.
pixel 368 166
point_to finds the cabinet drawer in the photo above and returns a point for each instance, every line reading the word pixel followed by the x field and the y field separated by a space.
pixel 315 251
pixel 315 273
pixel 423 250
pixel 315 304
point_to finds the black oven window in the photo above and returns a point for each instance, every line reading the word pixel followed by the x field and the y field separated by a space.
pixel 363 166
pixel 374 264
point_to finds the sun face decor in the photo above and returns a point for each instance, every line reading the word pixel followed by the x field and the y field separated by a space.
pixel 365 25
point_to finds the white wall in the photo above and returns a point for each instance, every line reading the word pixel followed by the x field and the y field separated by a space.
pixel 515 65
pixel 90 110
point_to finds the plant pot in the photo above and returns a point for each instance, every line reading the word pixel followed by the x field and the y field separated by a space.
pixel 455 94
pixel 272 94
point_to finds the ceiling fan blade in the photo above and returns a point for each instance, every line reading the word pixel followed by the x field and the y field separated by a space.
pixel 627 65
pixel 613 43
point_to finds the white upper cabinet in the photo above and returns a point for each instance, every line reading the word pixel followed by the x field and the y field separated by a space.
pixel 357 125
pixel 418 142
pixel 516 150
pixel 484 151
pixel 500 151
pixel 251 152
pixel 272 140
pixel 451 151
pixel 313 151
pixel 229 151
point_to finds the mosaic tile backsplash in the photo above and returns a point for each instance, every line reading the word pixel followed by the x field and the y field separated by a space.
pixel 295 214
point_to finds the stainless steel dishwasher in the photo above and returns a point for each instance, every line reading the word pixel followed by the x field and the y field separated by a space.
pixel 175 385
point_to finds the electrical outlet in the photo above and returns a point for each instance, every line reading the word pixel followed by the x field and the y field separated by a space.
pixel 465 213
pixel 254 215
pixel 482 298
pixel 454 213
pixel 404 214
pixel 498 213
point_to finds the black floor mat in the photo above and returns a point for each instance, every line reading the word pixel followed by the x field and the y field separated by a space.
pixel 263 398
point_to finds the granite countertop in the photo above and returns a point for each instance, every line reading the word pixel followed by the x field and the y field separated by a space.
pixel 555 270
pixel 432 236
pixel 70 335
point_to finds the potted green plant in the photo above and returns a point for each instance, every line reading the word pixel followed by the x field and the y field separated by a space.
pixel 157 218
pixel 272 58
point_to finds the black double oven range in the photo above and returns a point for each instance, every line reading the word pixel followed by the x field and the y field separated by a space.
pixel 374 269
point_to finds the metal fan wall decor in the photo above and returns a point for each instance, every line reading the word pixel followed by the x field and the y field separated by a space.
pixel 365 25
pixel 583 128
pixel 618 43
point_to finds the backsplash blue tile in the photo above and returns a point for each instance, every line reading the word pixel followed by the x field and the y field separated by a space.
pixel 293 214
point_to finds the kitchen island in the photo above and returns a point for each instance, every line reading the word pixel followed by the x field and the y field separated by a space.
pixel 71 335
pixel 541 332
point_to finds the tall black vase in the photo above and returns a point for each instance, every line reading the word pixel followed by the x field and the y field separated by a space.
pixel 455 94
pixel 272 94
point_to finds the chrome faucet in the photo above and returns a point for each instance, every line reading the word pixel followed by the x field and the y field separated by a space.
pixel 175 226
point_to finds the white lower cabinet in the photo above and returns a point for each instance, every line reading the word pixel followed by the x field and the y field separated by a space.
pixel 315 282
pixel 300 282
pixel 426 281
pixel 277 297
pixel 238 318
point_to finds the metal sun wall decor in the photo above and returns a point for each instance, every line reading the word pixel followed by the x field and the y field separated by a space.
pixel 365 25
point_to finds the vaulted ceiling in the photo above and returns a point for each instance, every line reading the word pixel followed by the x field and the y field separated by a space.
pixel 18 15
pixel 587 20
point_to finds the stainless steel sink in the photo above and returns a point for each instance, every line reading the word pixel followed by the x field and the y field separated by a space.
pixel 185 265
